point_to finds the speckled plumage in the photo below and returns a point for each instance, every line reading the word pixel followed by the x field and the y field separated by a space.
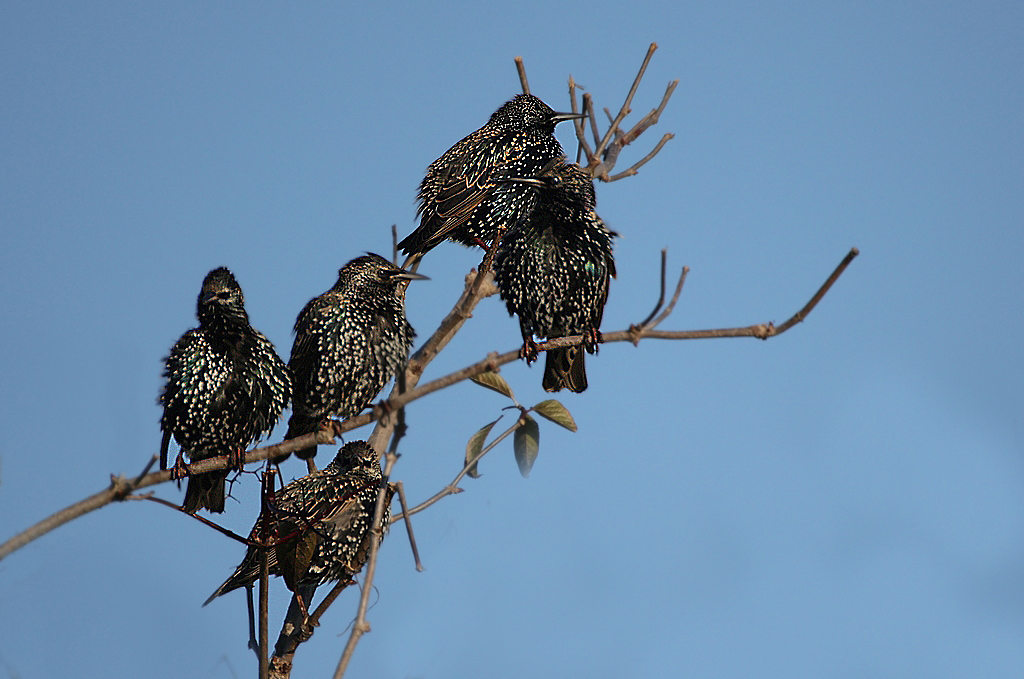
pixel 349 342
pixel 553 269
pixel 226 387
pixel 459 198
pixel 320 523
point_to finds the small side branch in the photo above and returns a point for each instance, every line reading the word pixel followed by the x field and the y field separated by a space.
pixel 400 489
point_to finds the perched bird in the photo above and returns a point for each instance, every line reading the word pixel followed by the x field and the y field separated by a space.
pixel 226 387
pixel 317 528
pixel 349 342
pixel 459 199
pixel 553 268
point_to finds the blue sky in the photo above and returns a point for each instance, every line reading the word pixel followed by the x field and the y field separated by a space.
pixel 846 500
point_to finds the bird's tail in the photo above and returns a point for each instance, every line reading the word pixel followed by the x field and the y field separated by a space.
pixel 246 573
pixel 564 369
pixel 297 426
pixel 206 491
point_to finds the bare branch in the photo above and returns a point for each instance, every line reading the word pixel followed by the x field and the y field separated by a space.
pixel 624 111
pixel 477 287
pixel 522 75
pixel 651 118
pixel 578 125
pixel 672 303
pixel 408 524
pixel 588 108
pixel 120 488
pixel 640 163
pixel 220 529
pixel 394 244
pixel 602 159
pixel 661 295
pixel 799 316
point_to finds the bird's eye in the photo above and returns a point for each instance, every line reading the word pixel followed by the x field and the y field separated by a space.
pixel 223 294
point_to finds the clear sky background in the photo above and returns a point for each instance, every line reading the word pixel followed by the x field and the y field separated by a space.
pixel 846 500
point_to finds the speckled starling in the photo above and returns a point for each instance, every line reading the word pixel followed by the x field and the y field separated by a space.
pixel 349 342
pixel 553 268
pixel 226 387
pixel 459 198
pixel 318 527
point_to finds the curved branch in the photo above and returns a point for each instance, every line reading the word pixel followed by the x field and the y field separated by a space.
pixel 476 289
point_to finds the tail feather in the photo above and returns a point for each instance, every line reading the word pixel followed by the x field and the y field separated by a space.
pixel 297 426
pixel 247 572
pixel 565 369
pixel 206 491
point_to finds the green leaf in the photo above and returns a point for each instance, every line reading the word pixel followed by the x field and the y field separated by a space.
pixel 526 443
pixel 494 381
pixel 556 412
pixel 475 445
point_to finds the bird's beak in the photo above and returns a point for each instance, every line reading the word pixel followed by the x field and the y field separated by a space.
pixel 410 276
pixel 560 117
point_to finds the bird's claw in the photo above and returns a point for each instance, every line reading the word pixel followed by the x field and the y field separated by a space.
pixel 180 469
pixel 529 350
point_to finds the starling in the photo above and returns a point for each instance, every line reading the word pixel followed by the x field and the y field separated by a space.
pixel 553 267
pixel 459 198
pixel 317 528
pixel 349 342
pixel 226 387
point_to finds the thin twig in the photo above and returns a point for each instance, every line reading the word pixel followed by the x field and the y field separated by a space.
pixel 339 586
pixel 453 487
pixel 624 111
pixel 608 146
pixel 394 244
pixel 638 164
pixel 220 529
pixel 579 124
pixel 408 524
pixel 661 295
pixel 672 303
pixel 799 316
pixel 522 75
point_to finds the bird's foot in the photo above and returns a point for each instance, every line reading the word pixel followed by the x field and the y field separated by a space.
pixel 236 459
pixel 529 350
pixel 180 469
